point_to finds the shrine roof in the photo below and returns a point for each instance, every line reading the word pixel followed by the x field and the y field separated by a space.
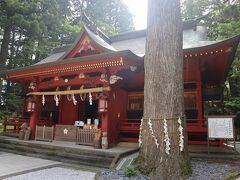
pixel 193 37
pixel 135 41
pixel 52 58
pixel 131 44
pixel 214 59
pixel 126 53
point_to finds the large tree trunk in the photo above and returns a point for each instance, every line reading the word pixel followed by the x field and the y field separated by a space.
pixel 163 92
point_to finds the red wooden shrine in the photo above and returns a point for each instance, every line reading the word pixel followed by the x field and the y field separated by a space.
pixel 95 61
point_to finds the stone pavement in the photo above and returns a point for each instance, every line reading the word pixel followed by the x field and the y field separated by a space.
pixel 55 173
pixel 238 146
pixel 13 164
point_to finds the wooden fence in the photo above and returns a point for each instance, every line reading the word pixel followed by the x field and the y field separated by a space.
pixel 44 133
pixel 85 136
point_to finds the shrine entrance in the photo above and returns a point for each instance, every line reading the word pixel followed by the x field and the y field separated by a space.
pixel 87 111
pixel 49 113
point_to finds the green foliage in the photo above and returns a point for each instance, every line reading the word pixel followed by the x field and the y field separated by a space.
pixel 130 171
pixel 192 9
pixel 111 16
pixel 1 117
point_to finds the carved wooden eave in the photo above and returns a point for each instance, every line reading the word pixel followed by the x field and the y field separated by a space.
pixel 111 61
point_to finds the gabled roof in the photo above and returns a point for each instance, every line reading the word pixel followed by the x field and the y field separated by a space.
pixel 95 38
pixel 61 53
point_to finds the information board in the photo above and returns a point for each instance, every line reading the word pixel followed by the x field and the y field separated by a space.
pixel 220 128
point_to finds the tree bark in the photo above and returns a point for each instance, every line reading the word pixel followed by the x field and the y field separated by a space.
pixel 163 92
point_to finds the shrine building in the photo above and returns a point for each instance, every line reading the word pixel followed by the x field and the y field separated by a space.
pixel 97 83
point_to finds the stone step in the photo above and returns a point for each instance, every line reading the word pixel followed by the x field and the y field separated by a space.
pixel 59 153
pixel 56 151
pixel 66 155
pixel 59 148
pixel 56 158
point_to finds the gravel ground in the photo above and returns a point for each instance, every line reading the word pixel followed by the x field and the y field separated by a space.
pixel 55 173
pixel 203 170
pixel 118 175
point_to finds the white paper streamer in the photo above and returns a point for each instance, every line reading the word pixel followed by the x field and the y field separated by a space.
pixel 152 133
pixel 43 100
pixel 56 99
pixel 81 95
pixel 74 100
pixel 181 137
pixel 166 138
pixel 90 99
pixel 69 96
pixel 140 134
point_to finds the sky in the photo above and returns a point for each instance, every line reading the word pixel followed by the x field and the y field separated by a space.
pixel 139 10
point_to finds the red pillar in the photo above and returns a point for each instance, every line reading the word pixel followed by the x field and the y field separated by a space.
pixel 34 117
pixel 104 119
pixel 199 98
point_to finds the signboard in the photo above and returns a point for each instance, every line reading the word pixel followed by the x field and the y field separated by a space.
pixel 220 128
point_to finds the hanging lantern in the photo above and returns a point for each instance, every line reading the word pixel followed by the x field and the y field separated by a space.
pixel 102 104
pixel 31 105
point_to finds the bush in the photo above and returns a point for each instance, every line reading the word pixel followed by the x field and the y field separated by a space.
pixel 1 117
pixel 130 171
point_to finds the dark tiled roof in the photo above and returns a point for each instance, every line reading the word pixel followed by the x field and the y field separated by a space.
pixel 61 48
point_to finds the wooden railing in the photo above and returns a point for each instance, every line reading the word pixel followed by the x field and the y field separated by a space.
pixel 133 125
pixel 129 130
pixel 130 125
pixel 85 136
pixel 196 125
pixel 13 124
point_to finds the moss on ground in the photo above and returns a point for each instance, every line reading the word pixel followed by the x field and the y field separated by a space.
pixel 232 175
pixel 186 168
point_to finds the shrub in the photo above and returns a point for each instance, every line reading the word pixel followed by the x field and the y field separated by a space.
pixel 1 117
pixel 130 171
